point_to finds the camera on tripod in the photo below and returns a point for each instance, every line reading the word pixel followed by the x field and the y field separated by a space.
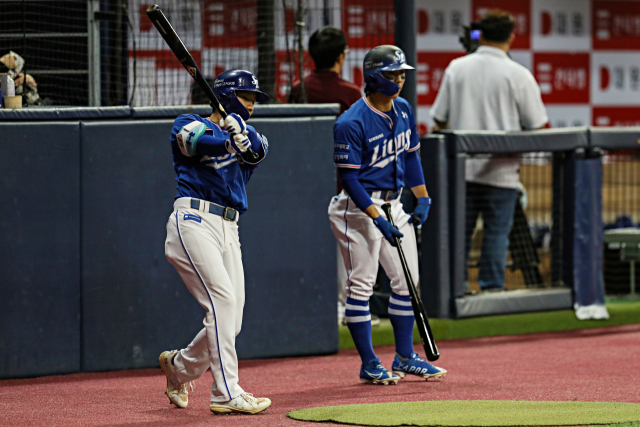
pixel 470 36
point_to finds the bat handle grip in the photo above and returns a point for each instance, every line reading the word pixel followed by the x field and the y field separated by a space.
pixel 387 210
pixel 253 156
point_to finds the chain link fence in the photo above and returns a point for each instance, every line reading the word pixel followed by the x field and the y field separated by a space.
pixel 107 52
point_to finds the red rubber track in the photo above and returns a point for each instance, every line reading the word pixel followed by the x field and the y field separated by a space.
pixel 587 365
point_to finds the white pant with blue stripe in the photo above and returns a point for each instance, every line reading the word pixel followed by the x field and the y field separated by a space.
pixel 205 249
pixel 362 246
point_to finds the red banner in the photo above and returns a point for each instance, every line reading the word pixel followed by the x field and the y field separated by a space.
pixel 616 25
pixel 563 77
pixel 368 23
pixel 430 71
pixel 229 24
pixel 166 59
pixel 616 116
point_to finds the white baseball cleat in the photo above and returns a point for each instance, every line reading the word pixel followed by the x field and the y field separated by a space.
pixel 243 404
pixel 176 392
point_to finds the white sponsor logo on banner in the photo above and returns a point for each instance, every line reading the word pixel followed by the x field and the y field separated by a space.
pixel 561 25
pixel 615 78
pixel 439 24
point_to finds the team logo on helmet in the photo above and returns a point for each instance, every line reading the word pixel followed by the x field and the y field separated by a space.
pixel 400 56
pixel 254 80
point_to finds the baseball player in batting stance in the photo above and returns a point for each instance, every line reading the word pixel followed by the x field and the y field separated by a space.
pixel 375 151
pixel 202 243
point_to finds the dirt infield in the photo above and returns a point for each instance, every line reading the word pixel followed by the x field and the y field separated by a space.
pixel 584 365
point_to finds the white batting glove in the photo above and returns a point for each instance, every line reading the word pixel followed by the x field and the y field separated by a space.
pixel 234 124
pixel 238 144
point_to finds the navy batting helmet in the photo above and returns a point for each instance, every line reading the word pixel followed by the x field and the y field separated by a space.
pixel 226 85
pixel 384 58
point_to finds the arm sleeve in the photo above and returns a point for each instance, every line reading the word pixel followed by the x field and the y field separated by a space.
pixel 442 104
pixel 530 107
pixel 413 175
pixel 211 145
pixel 349 179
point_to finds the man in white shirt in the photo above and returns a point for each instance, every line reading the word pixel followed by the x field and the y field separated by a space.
pixel 487 90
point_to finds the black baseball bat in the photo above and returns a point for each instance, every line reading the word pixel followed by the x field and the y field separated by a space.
pixel 428 341
pixel 180 51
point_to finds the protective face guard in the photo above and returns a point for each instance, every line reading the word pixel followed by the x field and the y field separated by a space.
pixel 381 84
pixel 232 104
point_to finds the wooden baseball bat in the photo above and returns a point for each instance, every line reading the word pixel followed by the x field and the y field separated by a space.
pixel 428 341
pixel 180 51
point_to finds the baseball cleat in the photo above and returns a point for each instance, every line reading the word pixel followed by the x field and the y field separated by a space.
pixel 416 365
pixel 176 392
pixel 243 404
pixel 375 373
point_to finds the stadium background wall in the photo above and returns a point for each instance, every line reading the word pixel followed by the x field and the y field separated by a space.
pixel 584 54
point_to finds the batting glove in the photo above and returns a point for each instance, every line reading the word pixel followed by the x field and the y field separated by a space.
pixel 238 144
pixel 388 231
pixel 234 124
pixel 421 212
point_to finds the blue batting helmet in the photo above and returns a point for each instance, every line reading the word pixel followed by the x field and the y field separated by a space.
pixel 226 85
pixel 384 58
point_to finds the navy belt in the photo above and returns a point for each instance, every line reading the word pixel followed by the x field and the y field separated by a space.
pixel 228 214
pixel 386 195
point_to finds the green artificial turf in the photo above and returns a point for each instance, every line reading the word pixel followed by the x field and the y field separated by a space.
pixel 475 413
pixel 621 312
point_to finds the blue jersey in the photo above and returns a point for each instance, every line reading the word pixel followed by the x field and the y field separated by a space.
pixel 375 143
pixel 221 180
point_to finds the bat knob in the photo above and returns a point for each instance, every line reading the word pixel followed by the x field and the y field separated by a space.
pixel 253 156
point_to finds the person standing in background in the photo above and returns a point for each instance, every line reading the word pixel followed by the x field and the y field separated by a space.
pixel 328 48
pixel 487 90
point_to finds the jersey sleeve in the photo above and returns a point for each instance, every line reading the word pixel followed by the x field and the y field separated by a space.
pixel 347 147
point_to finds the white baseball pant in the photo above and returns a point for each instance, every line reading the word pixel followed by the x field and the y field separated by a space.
pixel 362 246
pixel 205 249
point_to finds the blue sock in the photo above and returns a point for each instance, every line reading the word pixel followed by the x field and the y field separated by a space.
pixel 401 316
pixel 359 323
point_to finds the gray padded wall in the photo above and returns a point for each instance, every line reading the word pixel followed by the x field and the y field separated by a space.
pixel 39 255
pixel 435 284
pixel 134 302
pixel 288 249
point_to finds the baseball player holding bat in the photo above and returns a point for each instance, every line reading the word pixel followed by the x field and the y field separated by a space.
pixel 375 151
pixel 212 170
